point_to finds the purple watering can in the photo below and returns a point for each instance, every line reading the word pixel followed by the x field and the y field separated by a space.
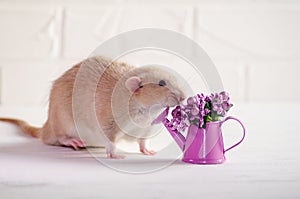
pixel 201 146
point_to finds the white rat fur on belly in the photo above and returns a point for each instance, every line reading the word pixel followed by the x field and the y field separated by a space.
pixel 99 101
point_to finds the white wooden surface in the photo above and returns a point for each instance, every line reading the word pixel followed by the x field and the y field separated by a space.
pixel 266 165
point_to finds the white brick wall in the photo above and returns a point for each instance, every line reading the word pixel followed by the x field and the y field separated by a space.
pixel 27 33
pixel 255 45
pixel 95 24
pixel 249 32
pixel 28 82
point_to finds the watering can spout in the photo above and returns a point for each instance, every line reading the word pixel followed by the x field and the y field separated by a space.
pixel 177 136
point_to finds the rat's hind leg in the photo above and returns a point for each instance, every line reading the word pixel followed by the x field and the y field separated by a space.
pixel 52 135
pixel 63 140
pixel 74 142
pixel 47 135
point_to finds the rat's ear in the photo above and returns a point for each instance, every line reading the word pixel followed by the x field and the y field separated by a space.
pixel 133 83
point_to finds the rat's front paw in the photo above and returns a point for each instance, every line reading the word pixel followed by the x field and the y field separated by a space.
pixel 147 152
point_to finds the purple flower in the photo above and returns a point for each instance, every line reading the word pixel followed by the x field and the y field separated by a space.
pixel 195 111
pixel 200 109
pixel 176 113
pixel 220 98
pixel 215 106
pixel 178 121
pixel 224 95
pixel 226 105
pixel 220 103
pixel 208 98
pixel 191 101
pixel 206 111
pixel 220 111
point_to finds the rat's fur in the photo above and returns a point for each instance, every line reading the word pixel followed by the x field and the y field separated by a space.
pixel 120 96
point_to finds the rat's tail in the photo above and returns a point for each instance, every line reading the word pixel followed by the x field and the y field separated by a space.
pixel 24 126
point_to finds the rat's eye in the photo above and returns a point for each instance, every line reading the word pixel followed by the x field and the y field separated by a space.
pixel 140 85
pixel 162 83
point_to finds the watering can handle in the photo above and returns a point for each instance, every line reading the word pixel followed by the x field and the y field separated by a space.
pixel 244 131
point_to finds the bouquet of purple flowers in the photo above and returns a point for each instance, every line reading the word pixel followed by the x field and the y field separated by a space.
pixel 200 109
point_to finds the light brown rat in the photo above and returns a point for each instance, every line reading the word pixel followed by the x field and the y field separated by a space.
pixel 98 102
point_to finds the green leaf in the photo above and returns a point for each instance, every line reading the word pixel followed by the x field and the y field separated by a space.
pixel 208 118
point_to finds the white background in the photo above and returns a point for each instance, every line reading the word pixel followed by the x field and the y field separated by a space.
pixel 255 46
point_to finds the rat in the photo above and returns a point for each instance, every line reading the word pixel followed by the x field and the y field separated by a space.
pixel 98 102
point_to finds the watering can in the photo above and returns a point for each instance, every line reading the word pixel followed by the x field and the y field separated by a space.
pixel 201 145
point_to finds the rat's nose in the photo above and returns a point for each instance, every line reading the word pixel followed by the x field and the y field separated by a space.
pixel 182 96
